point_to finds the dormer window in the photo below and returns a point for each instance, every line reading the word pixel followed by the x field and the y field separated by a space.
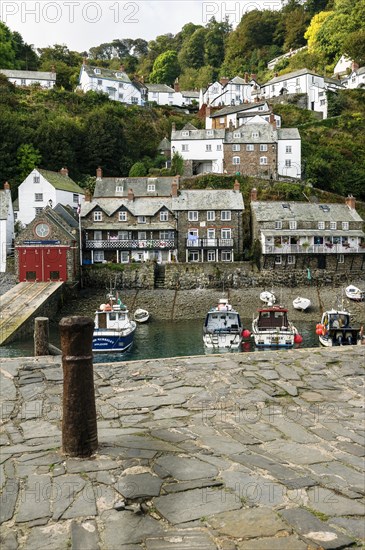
pixel 255 135
pixel 210 132
pixel 119 189
pixel 278 224
pixel 97 71
pixel 185 133
pixel 98 216
pixel 119 75
pixel 151 187
pixel 236 134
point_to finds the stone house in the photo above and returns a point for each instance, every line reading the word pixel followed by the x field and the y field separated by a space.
pixel 239 114
pixel 48 248
pixel 27 78
pixel 43 188
pixel 227 91
pixel 6 225
pixel 299 235
pixel 209 224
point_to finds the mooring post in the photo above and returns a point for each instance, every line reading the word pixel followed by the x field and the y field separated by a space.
pixel 79 428
pixel 41 336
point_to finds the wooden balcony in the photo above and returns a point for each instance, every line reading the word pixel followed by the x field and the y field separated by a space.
pixel 130 244
pixel 313 249
pixel 209 243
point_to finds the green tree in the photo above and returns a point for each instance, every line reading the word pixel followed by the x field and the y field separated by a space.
pixel 177 164
pixel 215 42
pixel 166 68
pixel 192 51
pixel 28 158
pixel 137 170
pixel 7 52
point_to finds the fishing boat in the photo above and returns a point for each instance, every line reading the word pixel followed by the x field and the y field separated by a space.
pixel 222 327
pixel 272 328
pixel 301 303
pixel 336 329
pixel 354 293
pixel 141 315
pixel 114 330
pixel 267 297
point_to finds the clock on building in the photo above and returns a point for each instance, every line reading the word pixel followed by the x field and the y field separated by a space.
pixel 42 230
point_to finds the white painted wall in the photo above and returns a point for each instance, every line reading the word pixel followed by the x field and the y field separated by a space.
pixel 198 150
pixel 294 171
pixel 124 92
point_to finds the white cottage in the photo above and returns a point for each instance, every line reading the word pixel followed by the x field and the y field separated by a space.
pixel 6 225
pixel 43 188
pixel 115 83
pixel 27 78
pixel 226 91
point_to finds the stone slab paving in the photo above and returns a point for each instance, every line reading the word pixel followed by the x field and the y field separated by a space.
pixel 246 451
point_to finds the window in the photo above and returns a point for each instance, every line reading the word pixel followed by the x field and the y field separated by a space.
pixel 164 216
pixel 250 147
pixel 263 147
pixel 122 216
pixel 236 147
pixel 333 225
pixel 97 71
pixel 36 179
pixel 22 82
pixel 193 216
pixel 185 147
pixel 210 216
pixel 184 133
pixel 341 259
pixel 100 82
pixel 292 224
pixel 38 197
pixel 219 147
pixel 98 235
pixel 166 235
pixel 226 233
pixel 124 257
pixel 98 216
pixel 31 276
pixel 208 147
pixel 211 256
pixel 291 259
pixel 119 189
pixel 38 210
pixel 98 256
pixel 210 132
pixel 225 215
pixel 255 135
pixel 263 160
pixel 321 225
pixel 211 234
pixel 54 275
pixel 193 257
pixel 236 160
pixel 142 235
pixel 236 134
pixel 278 224
pixel 134 100
pixel 222 120
pixel 121 96
pixel 75 198
pixel 277 260
pixel 322 102
pixel 151 187
pixel 123 235
pixel 287 163
pixel 288 148
pixel 141 219
pixel 226 256
pixel 345 226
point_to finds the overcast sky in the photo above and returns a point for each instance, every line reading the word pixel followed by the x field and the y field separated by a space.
pixel 82 24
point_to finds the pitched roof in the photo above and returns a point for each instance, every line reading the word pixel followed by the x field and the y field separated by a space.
pixel 237 108
pixel 107 74
pixel 5 204
pixel 238 80
pixel 288 133
pixel 293 74
pixel 303 211
pixel 164 145
pixel 107 187
pixel 58 181
pixel 195 134
pixel 34 75
pixel 67 213
pixel 159 88
pixel 140 206
pixel 190 93
pixel 266 133
pixel 208 199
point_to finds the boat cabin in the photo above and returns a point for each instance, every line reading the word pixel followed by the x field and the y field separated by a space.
pixel 110 317
pixel 222 320
pixel 336 320
pixel 272 318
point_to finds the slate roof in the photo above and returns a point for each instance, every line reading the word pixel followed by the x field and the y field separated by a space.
pixel 107 74
pixel 238 80
pixel 34 75
pixel 164 145
pixel 63 183
pixel 212 199
pixel 159 88
pixel 288 133
pixel 236 109
pixel 287 76
pixel 267 133
pixel 190 93
pixel 196 134
pixel 68 214
pixel 5 202
pixel 143 206
pixel 303 211
pixel 106 187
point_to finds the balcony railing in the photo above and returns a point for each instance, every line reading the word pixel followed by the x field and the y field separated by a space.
pixel 312 249
pixel 130 244
pixel 209 243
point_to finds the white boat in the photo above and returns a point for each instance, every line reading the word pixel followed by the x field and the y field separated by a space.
pixel 141 315
pixel 301 303
pixel 272 329
pixel 336 329
pixel 222 327
pixel 267 297
pixel 114 330
pixel 354 293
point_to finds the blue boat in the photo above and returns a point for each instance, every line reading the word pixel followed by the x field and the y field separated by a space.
pixel 114 330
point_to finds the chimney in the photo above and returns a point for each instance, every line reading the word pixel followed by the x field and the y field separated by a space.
pixel 122 69
pixel 87 195
pixel 253 76
pixel 276 74
pixel 272 120
pixel 175 186
pixel 6 186
pixel 354 66
pixel 177 85
pixel 236 186
pixel 231 126
pixel 351 202
pixel 130 196
pixel 246 77
pixel 142 79
pixel 207 111
pixel 253 194
pixel 224 80
pixel 173 127
pixel 99 173
pixel 64 172
pixel 84 61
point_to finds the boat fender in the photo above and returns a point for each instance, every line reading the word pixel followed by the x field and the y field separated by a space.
pixel 108 307
pixel 324 331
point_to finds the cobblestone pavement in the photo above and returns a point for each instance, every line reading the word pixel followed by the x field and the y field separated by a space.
pixel 225 452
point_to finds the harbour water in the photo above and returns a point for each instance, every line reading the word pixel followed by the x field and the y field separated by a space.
pixel 160 338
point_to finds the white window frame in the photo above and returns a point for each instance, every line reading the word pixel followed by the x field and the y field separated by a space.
pixel 292 224
pixel 98 235
pixel 141 219
pixel 287 163
pixel 193 256
pixel 122 217
pixel 236 160
pixel 291 259
pixel 193 215
pixel 263 161
pixel 345 226
pixel 226 256
pixel 123 235
pixel 208 147
pixel 38 210
pixel 119 189
pixel 38 197
pixel 219 147
pixel 288 149
pixel 164 216
pixel 98 216
pixel 185 133
pixel 226 233
pixel 255 135
pixel 321 225
pixel 142 235
pixel 185 147
pixel 210 215
pixel 151 187
pixel 124 257
pixel 75 198
pixel 278 260
pixel 236 147
pixel 333 226
pixel 211 256
pixel 250 147
pixel 236 134
pixel 278 224
pixel 226 215
pixel 98 256
pixel 263 147
pixel 36 179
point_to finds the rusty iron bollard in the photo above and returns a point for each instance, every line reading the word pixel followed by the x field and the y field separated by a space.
pixel 41 336
pixel 79 428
